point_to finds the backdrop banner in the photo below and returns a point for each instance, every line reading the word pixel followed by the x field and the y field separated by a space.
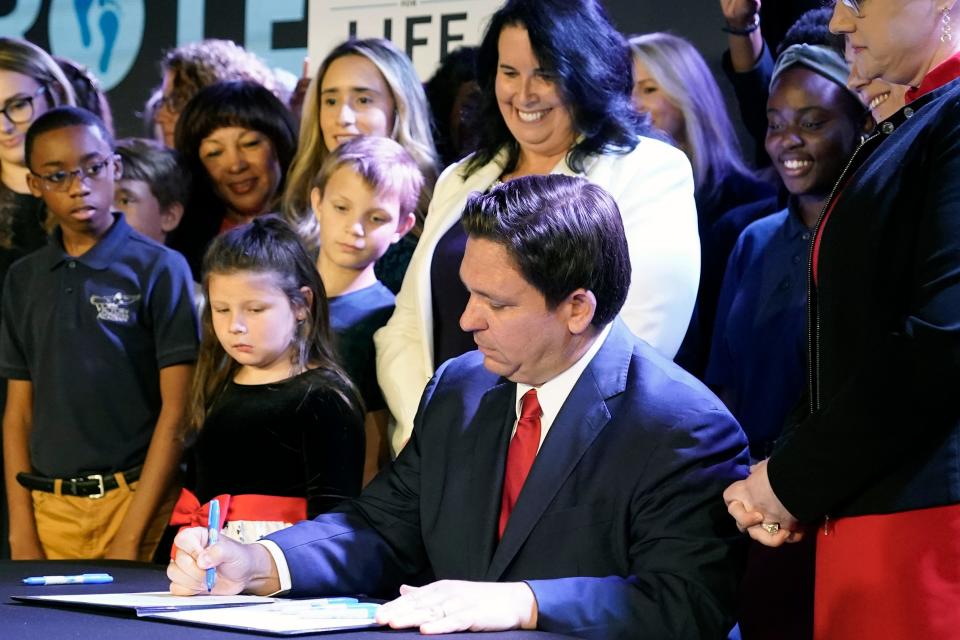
pixel 426 29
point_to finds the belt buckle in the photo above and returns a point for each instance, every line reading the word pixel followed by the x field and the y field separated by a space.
pixel 100 490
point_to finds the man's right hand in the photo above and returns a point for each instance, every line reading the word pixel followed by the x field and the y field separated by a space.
pixel 240 567
pixel 739 13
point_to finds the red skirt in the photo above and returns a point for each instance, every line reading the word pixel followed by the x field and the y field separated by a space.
pixel 893 576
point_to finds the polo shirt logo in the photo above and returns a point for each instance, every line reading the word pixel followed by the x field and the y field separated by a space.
pixel 114 308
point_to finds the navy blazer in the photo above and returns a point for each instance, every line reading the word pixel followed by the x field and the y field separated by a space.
pixel 620 529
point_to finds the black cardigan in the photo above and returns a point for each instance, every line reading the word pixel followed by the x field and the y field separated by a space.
pixel 884 432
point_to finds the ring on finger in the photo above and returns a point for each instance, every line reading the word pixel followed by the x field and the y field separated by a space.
pixel 771 527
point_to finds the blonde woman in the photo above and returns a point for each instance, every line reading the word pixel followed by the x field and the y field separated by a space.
pixel 674 86
pixel 363 87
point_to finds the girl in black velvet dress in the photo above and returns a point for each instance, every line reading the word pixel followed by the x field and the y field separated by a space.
pixel 279 426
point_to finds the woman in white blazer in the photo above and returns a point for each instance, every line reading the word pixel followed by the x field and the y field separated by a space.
pixel 556 79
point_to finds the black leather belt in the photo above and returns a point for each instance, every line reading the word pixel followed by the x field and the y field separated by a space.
pixel 91 486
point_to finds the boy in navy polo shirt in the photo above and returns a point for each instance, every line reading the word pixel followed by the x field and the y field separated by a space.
pixel 97 341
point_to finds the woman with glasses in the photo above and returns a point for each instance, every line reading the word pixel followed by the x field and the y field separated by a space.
pixel 30 84
pixel 191 67
pixel 872 468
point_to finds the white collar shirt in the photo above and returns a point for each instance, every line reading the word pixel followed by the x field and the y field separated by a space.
pixel 553 393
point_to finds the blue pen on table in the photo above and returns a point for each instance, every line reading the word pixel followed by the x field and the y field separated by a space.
pixel 326 602
pixel 213 533
pixel 347 611
pixel 85 578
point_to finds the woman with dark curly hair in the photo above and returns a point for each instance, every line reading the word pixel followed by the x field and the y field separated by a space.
pixel 556 80
pixel 191 67
pixel 237 140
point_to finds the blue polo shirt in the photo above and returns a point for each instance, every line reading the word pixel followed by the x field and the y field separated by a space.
pixel 91 333
pixel 757 358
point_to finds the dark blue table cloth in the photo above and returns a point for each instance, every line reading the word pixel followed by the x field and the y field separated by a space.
pixel 19 620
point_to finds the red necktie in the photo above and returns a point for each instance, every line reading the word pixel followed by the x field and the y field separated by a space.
pixel 523 449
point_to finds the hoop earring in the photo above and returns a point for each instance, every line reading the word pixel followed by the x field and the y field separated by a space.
pixel 946 34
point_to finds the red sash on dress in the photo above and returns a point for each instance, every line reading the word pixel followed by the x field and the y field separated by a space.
pixel 188 512
pixel 889 576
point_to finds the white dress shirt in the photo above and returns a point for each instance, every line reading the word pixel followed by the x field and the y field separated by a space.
pixel 551 395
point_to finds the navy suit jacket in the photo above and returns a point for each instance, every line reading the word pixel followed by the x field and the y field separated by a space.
pixel 620 529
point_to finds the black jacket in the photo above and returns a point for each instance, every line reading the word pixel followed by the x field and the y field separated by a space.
pixel 884 431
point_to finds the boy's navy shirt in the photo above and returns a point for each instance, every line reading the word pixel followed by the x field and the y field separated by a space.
pixel 91 333
pixel 354 318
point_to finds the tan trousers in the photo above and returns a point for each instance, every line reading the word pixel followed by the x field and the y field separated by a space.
pixel 80 528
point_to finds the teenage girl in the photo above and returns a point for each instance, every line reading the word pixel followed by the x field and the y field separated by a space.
pixel 278 426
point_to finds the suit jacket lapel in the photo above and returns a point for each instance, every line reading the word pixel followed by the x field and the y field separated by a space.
pixel 494 420
pixel 580 421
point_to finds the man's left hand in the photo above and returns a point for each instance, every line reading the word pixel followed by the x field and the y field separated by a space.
pixel 753 504
pixel 452 605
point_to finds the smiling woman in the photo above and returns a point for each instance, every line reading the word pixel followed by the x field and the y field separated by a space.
pixel 870 468
pixel 237 140
pixel 555 79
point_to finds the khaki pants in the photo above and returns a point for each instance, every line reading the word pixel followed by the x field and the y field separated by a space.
pixel 81 528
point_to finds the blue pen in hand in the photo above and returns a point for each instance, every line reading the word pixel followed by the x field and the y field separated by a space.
pixel 86 578
pixel 213 533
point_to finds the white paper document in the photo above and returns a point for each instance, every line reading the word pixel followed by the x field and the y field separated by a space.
pixel 277 616
pixel 148 601
pixel 281 617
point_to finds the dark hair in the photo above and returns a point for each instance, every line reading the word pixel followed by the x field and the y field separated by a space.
pixel 267 245
pixel 61 118
pixel 457 68
pixel 225 104
pixel 87 90
pixel 813 27
pixel 159 167
pixel 239 103
pixel 574 40
pixel 563 233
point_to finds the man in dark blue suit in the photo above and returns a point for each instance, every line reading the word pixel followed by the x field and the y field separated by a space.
pixel 563 477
